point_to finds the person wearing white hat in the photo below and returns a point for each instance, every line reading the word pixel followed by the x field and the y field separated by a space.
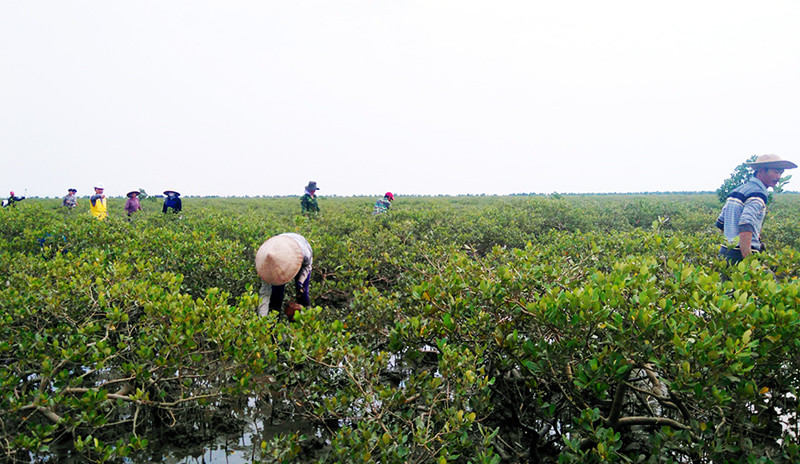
pixel 743 214
pixel 98 206
pixel 280 260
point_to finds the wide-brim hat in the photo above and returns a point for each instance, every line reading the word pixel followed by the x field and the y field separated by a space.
pixel 72 190
pixel 167 192
pixel 312 186
pixel 771 162
pixel 131 193
pixel 100 186
pixel 278 260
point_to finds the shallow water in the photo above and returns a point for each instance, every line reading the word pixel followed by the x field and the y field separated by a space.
pixel 239 448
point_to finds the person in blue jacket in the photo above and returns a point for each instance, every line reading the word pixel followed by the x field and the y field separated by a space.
pixel 12 200
pixel 172 201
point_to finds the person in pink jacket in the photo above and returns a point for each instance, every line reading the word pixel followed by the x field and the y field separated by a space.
pixel 132 205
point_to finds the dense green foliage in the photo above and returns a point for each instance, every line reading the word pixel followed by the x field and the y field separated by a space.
pixel 469 329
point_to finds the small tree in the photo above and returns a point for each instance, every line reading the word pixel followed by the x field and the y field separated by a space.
pixel 739 176
pixel 781 183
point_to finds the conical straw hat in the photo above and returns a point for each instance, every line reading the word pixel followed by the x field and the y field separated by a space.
pixel 278 260
pixel 771 161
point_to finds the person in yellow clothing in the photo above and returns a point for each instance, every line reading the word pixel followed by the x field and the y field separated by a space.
pixel 98 206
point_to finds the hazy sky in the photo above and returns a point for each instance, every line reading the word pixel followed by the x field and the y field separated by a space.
pixel 424 97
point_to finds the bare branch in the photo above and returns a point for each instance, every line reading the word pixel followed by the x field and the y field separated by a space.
pixel 54 418
pixel 616 406
pixel 643 420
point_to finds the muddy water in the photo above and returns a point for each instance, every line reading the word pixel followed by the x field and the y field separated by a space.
pixel 260 423
pixel 234 447
pixel 233 435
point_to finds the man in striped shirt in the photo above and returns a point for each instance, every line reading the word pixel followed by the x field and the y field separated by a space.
pixel 743 214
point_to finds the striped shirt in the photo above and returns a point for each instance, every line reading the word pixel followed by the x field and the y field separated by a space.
pixel 744 211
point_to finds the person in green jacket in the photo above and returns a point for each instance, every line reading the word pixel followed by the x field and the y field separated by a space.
pixel 308 202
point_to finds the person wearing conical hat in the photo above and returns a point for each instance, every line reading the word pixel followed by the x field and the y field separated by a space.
pixel 280 260
pixel 97 202
pixel 70 199
pixel 172 202
pixel 382 205
pixel 308 202
pixel 132 205
pixel 743 214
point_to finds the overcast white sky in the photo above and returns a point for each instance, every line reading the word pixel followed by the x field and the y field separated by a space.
pixel 423 97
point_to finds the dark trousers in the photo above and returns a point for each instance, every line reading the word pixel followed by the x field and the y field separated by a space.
pixel 733 255
pixel 276 299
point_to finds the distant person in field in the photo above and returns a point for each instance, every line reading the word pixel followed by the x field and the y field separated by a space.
pixel 97 202
pixel 743 214
pixel 70 199
pixel 280 260
pixel 132 205
pixel 12 200
pixel 308 202
pixel 382 205
pixel 172 202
